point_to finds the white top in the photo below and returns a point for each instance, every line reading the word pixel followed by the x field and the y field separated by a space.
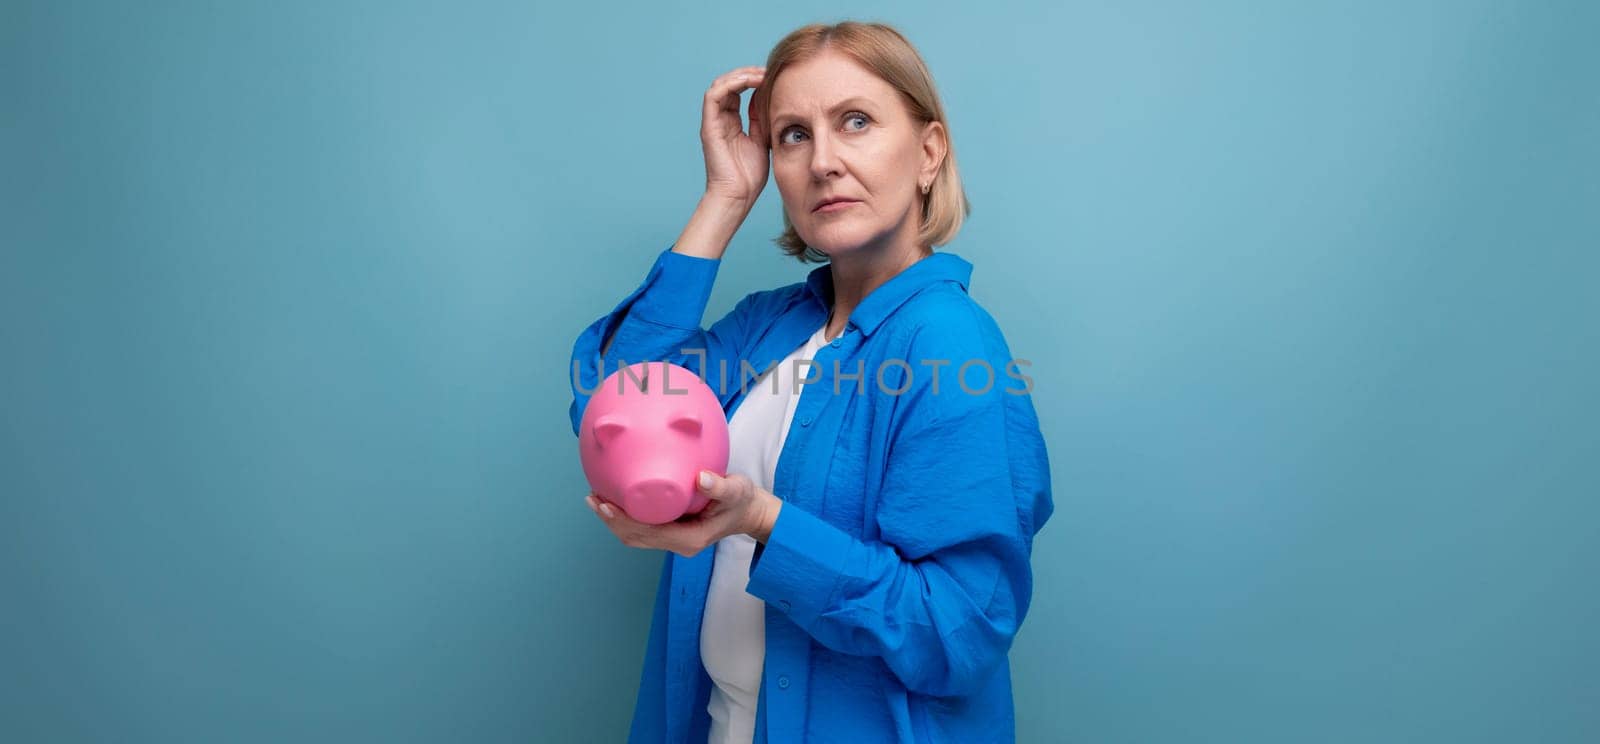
pixel 733 629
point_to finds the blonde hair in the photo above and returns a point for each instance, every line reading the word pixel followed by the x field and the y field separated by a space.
pixel 889 55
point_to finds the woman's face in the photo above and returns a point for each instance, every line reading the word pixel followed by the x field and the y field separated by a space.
pixel 840 132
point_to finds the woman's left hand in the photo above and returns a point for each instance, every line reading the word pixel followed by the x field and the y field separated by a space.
pixel 737 506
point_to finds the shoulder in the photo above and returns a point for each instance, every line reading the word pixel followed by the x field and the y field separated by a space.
pixel 944 322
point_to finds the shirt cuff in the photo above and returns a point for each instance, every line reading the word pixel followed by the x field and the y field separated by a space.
pixel 677 290
pixel 801 564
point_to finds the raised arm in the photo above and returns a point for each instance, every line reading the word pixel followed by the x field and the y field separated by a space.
pixel 661 318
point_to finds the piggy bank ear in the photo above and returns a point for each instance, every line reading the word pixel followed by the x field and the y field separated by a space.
pixel 607 429
pixel 687 423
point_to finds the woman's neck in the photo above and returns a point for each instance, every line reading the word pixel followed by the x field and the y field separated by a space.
pixel 856 275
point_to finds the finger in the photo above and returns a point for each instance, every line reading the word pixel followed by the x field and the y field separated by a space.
pixel 723 95
pixel 718 487
pixel 719 86
pixel 607 511
pixel 618 520
pixel 758 126
pixel 742 71
pixel 729 93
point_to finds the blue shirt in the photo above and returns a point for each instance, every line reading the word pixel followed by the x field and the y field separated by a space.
pixel 897 572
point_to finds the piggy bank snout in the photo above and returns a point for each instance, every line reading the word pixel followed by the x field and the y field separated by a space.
pixel 656 500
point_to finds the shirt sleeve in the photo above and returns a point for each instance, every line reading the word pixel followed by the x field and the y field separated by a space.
pixel 659 322
pixel 942 591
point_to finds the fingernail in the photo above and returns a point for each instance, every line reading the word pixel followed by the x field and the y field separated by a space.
pixel 705 480
pixel 606 510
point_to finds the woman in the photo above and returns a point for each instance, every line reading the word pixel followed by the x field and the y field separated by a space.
pixel 872 535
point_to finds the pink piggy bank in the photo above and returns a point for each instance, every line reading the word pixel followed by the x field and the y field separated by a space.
pixel 648 432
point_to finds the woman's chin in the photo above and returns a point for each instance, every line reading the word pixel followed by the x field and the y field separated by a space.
pixel 834 243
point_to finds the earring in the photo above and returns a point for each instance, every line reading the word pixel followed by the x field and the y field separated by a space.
pixel 925 187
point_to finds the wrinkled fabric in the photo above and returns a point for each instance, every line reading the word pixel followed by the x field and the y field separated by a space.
pixel 897 573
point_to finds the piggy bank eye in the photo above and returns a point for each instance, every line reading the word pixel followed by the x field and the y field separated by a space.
pixel 607 429
pixel 688 424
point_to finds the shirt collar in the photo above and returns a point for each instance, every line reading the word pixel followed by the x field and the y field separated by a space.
pixel 880 303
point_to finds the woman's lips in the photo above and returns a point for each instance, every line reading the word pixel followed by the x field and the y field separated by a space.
pixel 837 206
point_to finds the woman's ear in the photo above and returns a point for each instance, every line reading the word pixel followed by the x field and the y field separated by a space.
pixel 934 146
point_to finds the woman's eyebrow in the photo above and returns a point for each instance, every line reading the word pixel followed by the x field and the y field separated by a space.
pixel 853 102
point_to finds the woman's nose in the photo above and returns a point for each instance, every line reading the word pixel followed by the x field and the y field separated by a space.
pixel 824 162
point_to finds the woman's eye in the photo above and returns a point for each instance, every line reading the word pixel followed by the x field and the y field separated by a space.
pixel 784 138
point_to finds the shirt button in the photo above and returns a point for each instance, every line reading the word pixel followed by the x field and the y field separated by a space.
pixel 783 604
pixel 783 683
pixel 805 421
pixel 836 343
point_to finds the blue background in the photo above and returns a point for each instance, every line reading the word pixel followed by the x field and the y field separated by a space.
pixel 287 293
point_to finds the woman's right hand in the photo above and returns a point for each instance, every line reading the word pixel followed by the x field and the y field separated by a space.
pixel 736 163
